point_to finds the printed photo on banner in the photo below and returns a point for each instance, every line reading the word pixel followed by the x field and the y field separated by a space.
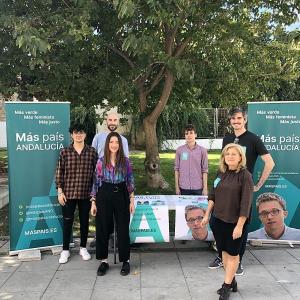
pixel 272 211
pixel 150 221
pixel 190 211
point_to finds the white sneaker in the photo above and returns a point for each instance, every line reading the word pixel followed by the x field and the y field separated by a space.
pixel 84 254
pixel 64 256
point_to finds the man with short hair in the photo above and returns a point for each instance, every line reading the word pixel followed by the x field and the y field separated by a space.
pixel 112 122
pixel 193 216
pixel 254 147
pixel 74 180
pixel 272 211
pixel 191 166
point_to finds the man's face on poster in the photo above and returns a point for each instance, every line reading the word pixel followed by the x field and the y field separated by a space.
pixel 272 215
pixel 193 220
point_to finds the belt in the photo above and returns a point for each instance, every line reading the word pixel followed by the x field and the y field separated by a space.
pixel 114 187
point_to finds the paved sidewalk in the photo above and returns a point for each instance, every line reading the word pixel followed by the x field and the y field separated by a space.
pixel 176 272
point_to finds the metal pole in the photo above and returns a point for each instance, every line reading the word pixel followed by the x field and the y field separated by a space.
pixel 115 244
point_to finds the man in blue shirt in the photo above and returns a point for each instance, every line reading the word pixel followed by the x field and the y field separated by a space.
pixel 112 122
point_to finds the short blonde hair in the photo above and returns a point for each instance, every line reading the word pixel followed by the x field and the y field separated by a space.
pixel 242 164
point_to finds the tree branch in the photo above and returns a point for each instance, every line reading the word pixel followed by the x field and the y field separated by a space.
pixel 169 83
pixel 156 80
pixel 121 54
pixel 180 48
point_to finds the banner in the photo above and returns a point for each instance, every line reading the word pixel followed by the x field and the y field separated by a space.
pixel 190 211
pixel 277 123
pixel 36 132
pixel 150 221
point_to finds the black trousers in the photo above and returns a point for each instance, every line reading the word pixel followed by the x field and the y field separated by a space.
pixel 68 210
pixel 112 201
pixel 191 192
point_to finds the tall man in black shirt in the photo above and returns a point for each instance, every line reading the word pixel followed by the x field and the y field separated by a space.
pixel 254 147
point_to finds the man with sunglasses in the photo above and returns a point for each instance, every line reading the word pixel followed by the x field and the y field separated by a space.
pixel 254 147
pixel 272 211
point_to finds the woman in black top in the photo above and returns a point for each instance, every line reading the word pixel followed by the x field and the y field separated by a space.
pixel 230 200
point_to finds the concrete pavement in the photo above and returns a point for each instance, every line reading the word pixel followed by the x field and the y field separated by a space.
pixel 165 271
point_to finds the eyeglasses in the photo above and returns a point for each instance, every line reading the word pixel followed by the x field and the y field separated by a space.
pixel 236 140
pixel 193 220
pixel 274 212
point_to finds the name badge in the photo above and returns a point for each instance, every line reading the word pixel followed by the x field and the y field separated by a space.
pixel 184 156
pixel 216 181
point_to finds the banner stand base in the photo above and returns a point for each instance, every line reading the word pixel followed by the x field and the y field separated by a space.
pixel 56 250
pixel 30 255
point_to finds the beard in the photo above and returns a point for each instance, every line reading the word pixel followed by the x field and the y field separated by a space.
pixel 112 127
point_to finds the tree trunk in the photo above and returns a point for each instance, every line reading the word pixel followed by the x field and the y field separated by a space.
pixel 152 163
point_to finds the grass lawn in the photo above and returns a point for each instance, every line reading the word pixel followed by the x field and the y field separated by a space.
pixel 137 158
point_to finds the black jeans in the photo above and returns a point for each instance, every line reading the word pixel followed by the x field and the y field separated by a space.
pixel 112 202
pixel 190 192
pixel 84 206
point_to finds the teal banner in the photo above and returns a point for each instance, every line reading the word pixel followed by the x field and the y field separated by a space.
pixel 278 124
pixel 36 132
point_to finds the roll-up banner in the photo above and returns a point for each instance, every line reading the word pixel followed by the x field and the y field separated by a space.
pixel 36 132
pixel 277 217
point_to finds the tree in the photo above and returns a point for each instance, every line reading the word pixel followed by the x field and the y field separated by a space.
pixel 141 54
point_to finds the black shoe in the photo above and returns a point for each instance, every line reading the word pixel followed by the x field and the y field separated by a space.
pixel 233 286
pixel 102 269
pixel 225 291
pixel 125 270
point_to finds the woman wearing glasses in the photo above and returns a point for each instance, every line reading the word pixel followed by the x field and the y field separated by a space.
pixel 113 197
pixel 230 200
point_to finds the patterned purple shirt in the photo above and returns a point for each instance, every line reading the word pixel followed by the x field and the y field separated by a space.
pixel 191 164
pixel 110 174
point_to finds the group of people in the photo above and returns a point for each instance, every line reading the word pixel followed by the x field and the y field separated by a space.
pixel 99 180
pixel 229 201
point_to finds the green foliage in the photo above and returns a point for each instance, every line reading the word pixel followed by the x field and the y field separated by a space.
pixel 86 116
pixel 172 122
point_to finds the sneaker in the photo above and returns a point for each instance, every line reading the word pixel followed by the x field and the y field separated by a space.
pixel 84 254
pixel 216 264
pixel 125 270
pixel 102 269
pixel 240 270
pixel 64 256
